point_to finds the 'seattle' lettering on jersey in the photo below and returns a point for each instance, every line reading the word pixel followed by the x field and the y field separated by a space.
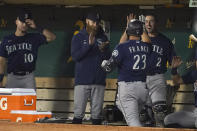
pixel 21 51
pixel 162 52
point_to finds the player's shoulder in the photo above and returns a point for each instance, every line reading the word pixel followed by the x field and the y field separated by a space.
pixel 164 38
pixel 8 38
pixel 124 43
pixel 122 46
pixel 80 34
pixel 32 34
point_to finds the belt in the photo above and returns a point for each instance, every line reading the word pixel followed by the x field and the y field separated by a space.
pixel 152 74
pixel 21 73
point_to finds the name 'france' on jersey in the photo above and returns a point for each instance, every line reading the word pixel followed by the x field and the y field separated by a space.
pixel 21 51
pixel 132 60
pixel 162 52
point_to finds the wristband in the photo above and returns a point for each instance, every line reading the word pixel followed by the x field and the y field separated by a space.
pixel 39 29
pixel 1 77
pixel 174 71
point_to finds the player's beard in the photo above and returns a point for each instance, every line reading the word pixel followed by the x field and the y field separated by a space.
pixel 92 29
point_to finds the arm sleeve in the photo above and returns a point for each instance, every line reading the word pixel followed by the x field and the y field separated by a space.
pixel 40 39
pixel 190 77
pixel 79 48
pixel 3 51
pixel 117 55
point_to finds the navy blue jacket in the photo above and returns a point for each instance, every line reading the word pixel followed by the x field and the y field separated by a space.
pixel 88 59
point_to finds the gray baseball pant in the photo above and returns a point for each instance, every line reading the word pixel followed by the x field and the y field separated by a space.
pixel 183 118
pixel 25 81
pixel 131 98
pixel 156 85
pixel 81 95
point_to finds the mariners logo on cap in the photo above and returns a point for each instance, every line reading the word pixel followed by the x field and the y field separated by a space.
pixel 26 16
pixel 115 53
pixel 97 16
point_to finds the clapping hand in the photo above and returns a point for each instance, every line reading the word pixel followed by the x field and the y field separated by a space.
pixel 176 61
pixel 130 17
pixel 103 45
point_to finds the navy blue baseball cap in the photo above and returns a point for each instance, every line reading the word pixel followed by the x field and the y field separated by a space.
pixel 24 14
pixel 94 16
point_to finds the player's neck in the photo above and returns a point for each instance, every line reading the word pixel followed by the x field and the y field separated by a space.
pixel 134 38
pixel 20 33
pixel 153 34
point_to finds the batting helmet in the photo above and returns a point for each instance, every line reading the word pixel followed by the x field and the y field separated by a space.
pixel 135 28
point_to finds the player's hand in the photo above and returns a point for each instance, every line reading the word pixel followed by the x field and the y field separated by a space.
pixel 130 17
pixel 91 38
pixel 142 18
pixel 31 23
pixel 176 61
pixel 193 38
pixel 103 45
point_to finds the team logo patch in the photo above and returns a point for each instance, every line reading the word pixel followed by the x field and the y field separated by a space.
pixel 115 53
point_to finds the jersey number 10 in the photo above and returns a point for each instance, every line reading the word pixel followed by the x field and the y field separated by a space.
pixel 28 58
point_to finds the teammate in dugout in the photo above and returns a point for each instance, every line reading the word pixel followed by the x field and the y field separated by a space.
pixel 19 51
pixel 162 52
pixel 131 58
pixel 184 119
pixel 88 49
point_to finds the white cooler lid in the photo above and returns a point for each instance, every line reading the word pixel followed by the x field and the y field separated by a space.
pixel 22 90
pixel 17 91
pixel 30 112
pixel 5 90
pixel 24 94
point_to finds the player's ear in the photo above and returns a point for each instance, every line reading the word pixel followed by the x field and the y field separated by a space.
pixel 87 21
pixel 16 21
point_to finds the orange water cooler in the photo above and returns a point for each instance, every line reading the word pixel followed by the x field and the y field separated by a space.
pixel 17 101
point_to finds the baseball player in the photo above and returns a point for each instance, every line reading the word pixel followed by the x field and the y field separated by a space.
pixel 184 118
pixel 131 58
pixel 88 49
pixel 19 52
pixel 162 52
